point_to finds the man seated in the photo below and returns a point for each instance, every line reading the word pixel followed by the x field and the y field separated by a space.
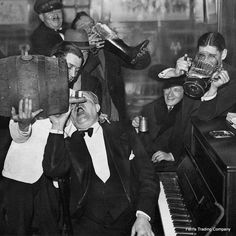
pixel 163 140
pixel 113 186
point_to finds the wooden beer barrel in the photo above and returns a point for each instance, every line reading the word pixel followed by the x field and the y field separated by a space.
pixel 43 79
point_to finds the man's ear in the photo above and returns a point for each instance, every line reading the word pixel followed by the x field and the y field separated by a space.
pixel 224 54
pixel 41 17
pixel 97 107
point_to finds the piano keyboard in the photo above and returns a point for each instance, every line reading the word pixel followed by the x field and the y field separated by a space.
pixel 175 218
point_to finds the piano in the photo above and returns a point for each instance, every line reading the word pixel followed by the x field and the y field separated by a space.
pixel 200 197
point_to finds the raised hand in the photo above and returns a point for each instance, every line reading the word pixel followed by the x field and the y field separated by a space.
pixel 182 65
pixel 59 120
pixel 25 116
pixel 218 79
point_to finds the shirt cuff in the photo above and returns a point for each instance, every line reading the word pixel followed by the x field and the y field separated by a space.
pixel 172 157
pixel 69 129
pixel 25 133
pixel 55 131
pixel 167 73
pixel 144 214
pixel 206 97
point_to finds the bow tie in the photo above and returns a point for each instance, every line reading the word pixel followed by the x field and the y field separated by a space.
pixel 89 131
pixel 60 31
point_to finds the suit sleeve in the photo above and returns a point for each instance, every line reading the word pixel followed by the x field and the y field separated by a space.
pixel 56 161
pixel 223 102
pixel 43 42
pixel 149 186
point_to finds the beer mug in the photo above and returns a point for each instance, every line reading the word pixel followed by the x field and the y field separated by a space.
pixel 200 75
pixel 143 124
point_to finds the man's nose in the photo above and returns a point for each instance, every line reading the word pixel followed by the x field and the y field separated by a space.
pixel 73 72
pixel 56 15
pixel 170 94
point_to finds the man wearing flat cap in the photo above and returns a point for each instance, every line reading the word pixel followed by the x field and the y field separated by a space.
pixel 47 35
pixel 163 140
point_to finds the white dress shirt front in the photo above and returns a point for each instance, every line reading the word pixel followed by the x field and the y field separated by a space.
pixel 97 150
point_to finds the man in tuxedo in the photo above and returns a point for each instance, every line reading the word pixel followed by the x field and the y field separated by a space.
pixel 113 186
pixel 47 34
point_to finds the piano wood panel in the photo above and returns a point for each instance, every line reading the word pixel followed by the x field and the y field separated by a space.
pixel 222 154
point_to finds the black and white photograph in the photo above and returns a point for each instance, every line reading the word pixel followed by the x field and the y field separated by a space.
pixel 117 118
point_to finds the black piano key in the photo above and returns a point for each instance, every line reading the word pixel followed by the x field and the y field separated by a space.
pixel 181 218
pixel 178 211
pixel 172 190
pixel 183 221
pixel 175 201
pixel 182 224
pixel 172 193
pixel 174 196
pixel 184 215
pixel 176 207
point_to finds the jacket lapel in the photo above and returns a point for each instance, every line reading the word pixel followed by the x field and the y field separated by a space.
pixel 118 151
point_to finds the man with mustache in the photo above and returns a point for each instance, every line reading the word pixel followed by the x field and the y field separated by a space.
pixel 113 186
pixel 47 35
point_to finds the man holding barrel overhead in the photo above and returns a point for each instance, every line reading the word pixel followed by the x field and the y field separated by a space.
pixel 48 33
pixel 30 198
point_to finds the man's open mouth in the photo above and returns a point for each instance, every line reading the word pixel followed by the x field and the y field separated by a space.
pixel 55 18
pixel 80 110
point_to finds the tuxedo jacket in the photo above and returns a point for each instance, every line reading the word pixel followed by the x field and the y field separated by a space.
pixel 137 175
pixel 112 80
pixel 164 130
pixel 43 40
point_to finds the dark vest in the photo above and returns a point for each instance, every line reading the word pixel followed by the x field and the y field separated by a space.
pixel 106 201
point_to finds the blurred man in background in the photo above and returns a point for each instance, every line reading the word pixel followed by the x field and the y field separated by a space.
pixel 107 66
pixel 47 34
